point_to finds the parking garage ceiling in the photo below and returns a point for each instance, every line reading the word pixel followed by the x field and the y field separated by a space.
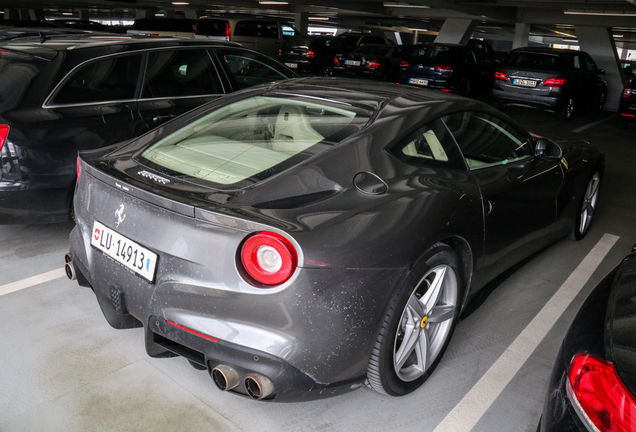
pixel 549 18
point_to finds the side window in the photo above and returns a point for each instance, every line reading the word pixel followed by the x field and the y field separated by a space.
pixel 487 141
pixel 180 73
pixel 589 64
pixel 430 145
pixel 577 63
pixel 250 68
pixel 109 79
pixel 266 29
pixel 245 28
pixel 468 56
pixel 288 31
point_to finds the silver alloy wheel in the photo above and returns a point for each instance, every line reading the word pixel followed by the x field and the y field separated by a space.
pixel 589 203
pixel 426 323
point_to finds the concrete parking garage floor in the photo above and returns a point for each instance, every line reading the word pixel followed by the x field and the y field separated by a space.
pixel 62 368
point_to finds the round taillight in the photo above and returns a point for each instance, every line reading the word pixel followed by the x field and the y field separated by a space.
pixel 269 259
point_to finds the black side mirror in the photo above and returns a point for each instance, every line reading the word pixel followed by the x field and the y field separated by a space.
pixel 547 149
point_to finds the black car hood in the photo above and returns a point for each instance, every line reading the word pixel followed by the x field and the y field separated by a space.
pixel 620 330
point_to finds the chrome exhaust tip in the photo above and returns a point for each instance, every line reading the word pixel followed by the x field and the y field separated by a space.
pixel 258 386
pixel 225 377
pixel 69 268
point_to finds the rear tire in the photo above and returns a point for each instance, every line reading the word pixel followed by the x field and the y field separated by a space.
pixel 418 324
pixel 586 208
pixel 326 71
pixel 567 109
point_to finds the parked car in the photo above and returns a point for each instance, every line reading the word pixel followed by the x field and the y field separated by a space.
pixel 72 93
pixel 379 62
pixel 629 68
pixel 627 104
pixel 593 383
pixel 460 69
pixel 266 35
pixel 351 40
pixel 310 54
pixel 549 78
pixel 301 237
pixel 7 33
pixel 83 25
pixel 172 27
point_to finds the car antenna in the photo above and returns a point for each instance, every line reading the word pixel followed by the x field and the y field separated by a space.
pixel 43 38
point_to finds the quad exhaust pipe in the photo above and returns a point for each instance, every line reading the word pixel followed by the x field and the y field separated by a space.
pixel 257 386
pixel 69 268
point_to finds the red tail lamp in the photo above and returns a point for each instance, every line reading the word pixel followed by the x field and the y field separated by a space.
pixel 269 259
pixel 554 82
pixel 600 396
pixel 627 92
pixel 4 133
pixel 444 67
pixel 372 64
pixel 310 54
pixel 404 63
pixel 501 76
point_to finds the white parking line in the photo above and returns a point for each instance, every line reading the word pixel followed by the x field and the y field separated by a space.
pixel 587 126
pixel 32 281
pixel 477 401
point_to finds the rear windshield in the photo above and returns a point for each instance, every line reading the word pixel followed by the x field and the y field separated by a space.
pixel 212 27
pixel 16 72
pixel 250 140
pixel 537 61
pixel 373 50
pixel 432 53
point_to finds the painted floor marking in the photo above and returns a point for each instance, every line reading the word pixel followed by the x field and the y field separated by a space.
pixel 32 281
pixel 477 401
pixel 587 126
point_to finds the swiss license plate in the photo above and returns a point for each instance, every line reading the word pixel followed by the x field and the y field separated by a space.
pixel 292 65
pixel 125 251
pixel 352 62
pixel 418 81
pixel 524 82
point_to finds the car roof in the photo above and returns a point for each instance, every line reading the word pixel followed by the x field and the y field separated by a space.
pixel 544 50
pixel 372 94
pixel 129 43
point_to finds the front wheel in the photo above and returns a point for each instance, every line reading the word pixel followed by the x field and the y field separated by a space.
pixel 326 71
pixel 586 209
pixel 418 325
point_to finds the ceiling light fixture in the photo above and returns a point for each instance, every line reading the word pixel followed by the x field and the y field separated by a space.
pixel 318 19
pixel 177 3
pixel 67 13
pixel 418 29
pixel 599 13
pixel 269 2
pixel 405 5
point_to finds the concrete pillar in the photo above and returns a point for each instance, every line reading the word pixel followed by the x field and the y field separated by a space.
pixel 456 30
pixel 37 14
pixel 522 34
pixel 83 15
pixel 599 43
pixel 171 13
pixel 301 21
pixel 24 14
pixel 193 14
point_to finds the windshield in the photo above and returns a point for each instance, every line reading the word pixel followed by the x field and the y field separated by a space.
pixel 250 140
pixel 432 53
pixel 373 50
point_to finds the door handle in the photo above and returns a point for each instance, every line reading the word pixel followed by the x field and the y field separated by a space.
pixel 163 118
pixel 489 207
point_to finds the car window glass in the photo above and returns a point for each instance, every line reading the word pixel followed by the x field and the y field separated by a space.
pixel 266 29
pixel 589 65
pixel 250 68
pixel 252 139
pixel 212 27
pixel 537 61
pixel 173 73
pixel 468 56
pixel 486 140
pixel 109 79
pixel 288 31
pixel 245 28
pixel 372 40
pixel 430 145
pixel 372 50
pixel 577 63
pixel 16 72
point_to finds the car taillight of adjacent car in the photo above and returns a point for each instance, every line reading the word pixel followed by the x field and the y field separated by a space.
pixel 599 396
pixel 4 133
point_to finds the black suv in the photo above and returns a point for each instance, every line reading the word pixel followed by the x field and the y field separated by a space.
pixel 560 80
pixel 65 94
